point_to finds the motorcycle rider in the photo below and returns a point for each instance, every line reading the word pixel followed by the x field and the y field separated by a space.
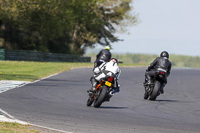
pixel 161 63
pixel 103 56
pixel 106 69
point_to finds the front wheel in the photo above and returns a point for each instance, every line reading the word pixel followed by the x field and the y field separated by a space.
pixel 146 95
pixel 90 101
pixel 155 91
pixel 101 97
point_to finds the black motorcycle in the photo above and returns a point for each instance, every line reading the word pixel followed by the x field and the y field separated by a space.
pixel 153 90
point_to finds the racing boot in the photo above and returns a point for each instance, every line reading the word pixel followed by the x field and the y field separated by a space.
pixel 94 84
pixel 162 88
pixel 149 81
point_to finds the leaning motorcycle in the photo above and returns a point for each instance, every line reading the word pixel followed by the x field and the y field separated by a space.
pixel 153 90
pixel 102 92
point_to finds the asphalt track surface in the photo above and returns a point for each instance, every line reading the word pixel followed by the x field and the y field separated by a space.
pixel 60 102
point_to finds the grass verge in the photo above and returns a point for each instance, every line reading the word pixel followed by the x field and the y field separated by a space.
pixel 30 71
pixel 7 127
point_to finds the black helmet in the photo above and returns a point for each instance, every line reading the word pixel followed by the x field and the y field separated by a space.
pixel 115 60
pixel 164 54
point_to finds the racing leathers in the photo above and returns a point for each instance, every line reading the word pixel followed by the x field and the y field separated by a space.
pixel 159 64
pixel 103 56
pixel 106 69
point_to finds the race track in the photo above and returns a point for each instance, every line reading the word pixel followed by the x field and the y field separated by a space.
pixel 60 102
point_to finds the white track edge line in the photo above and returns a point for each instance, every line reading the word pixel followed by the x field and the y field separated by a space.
pixel 10 117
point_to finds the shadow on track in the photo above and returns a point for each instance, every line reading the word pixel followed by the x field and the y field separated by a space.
pixel 168 101
pixel 109 107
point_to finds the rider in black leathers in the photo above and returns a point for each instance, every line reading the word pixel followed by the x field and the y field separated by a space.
pixel 159 64
pixel 103 56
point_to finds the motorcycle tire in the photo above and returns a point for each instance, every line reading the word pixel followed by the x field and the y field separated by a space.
pixel 90 101
pixel 100 99
pixel 146 95
pixel 155 91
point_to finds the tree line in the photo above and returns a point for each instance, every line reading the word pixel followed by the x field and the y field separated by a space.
pixel 62 26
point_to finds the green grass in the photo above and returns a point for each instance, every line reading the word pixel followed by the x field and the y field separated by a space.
pixel 7 127
pixel 30 71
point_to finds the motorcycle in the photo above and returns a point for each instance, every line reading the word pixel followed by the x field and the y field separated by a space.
pixel 153 90
pixel 102 92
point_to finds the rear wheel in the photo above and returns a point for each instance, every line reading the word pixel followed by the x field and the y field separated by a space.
pixel 100 99
pixel 155 91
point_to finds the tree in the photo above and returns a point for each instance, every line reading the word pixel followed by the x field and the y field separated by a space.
pixel 33 25
pixel 97 22
pixel 61 26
